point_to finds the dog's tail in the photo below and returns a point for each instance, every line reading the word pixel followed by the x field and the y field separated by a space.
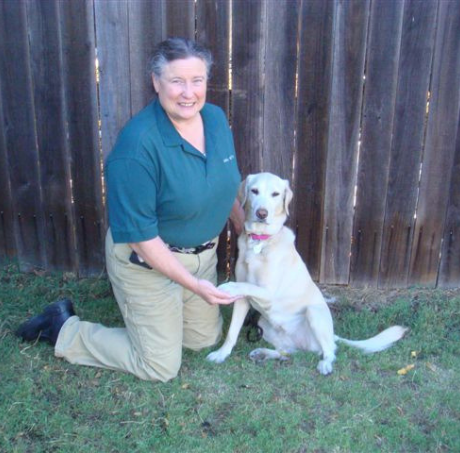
pixel 378 343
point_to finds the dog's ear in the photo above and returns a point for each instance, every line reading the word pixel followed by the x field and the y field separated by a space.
pixel 243 190
pixel 287 196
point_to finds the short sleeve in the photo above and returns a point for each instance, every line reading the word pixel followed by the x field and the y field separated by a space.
pixel 131 201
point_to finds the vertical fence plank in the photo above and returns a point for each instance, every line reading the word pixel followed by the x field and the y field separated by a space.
pixel 112 39
pixel 449 273
pixel 47 74
pixel 376 133
pixel 20 135
pixel 213 31
pixel 180 18
pixel 279 87
pixel 78 44
pixel 417 42
pixel 314 80
pixel 439 148
pixel 350 28
pixel 7 238
pixel 146 19
pixel 248 44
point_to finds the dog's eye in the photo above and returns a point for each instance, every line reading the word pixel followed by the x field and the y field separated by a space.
pixel 255 191
pixel 275 194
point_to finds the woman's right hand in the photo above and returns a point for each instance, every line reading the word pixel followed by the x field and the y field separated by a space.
pixel 213 295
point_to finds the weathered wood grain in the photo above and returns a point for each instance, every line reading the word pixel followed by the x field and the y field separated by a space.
pixel 146 20
pixel 314 81
pixel 78 48
pixel 449 272
pixel 438 157
pixel 248 43
pixel 20 136
pixel 7 238
pixel 112 39
pixel 415 64
pixel 280 87
pixel 180 18
pixel 213 31
pixel 350 35
pixel 383 44
pixel 47 71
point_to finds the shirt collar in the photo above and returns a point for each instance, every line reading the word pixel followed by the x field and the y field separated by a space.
pixel 169 133
pixel 166 128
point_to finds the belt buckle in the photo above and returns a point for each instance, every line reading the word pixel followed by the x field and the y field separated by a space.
pixel 203 247
pixel 192 250
pixel 183 250
pixel 198 249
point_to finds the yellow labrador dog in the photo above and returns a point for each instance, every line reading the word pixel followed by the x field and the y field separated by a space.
pixel 273 279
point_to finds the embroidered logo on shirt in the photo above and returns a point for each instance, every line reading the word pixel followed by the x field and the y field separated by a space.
pixel 229 158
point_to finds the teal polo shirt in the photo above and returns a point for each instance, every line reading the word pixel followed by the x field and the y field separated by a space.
pixel 158 184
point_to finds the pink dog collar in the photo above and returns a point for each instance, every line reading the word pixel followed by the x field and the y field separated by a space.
pixel 259 237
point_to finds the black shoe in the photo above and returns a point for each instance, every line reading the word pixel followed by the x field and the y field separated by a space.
pixel 47 325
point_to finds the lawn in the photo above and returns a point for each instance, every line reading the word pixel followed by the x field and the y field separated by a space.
pixel 405 399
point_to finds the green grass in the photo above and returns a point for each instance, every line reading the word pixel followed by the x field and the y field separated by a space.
pixel 49 405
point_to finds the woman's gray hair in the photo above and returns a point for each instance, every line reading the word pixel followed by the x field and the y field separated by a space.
pixel 177 49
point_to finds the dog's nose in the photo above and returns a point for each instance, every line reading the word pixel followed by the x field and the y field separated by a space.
pixel 262 213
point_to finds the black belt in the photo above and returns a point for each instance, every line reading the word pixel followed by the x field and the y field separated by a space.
pixel 136 259
pixel 192 250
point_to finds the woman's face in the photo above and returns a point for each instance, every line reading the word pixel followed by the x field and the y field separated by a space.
pixel 181 88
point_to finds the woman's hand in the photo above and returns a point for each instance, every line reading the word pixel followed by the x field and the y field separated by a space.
pixel 212 295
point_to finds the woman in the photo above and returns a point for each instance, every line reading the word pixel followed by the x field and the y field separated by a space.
pixel 172 180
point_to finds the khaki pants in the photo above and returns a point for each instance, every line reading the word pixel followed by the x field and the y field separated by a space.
pixel 160 317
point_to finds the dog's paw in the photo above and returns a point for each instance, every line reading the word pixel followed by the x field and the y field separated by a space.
pixel 262 354
pixel 231 288
pixel 324 367
pixel 218 356
pixel 258 355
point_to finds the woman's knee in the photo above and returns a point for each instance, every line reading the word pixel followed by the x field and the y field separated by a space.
pixel 197 339
pixel 162 368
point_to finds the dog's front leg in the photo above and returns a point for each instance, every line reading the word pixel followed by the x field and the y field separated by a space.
pixel 260 297
pixel 240 310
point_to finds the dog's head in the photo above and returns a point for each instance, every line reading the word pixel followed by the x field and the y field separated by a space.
pixel 265 198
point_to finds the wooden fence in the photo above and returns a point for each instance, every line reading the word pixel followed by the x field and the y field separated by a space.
pixel 355 101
